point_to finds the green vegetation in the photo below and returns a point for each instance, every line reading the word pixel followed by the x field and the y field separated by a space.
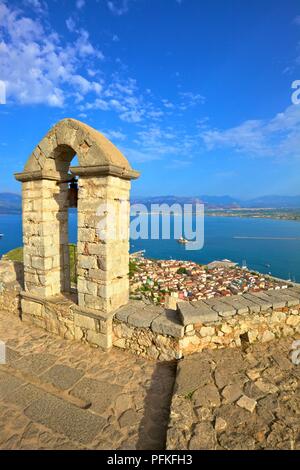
pixel 132 268
pixel 17 255
pixel 189 395
pixel 181 271
pixel 73 258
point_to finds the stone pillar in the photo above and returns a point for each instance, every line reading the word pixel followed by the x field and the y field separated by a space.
pixel 45 237
pixel 103 251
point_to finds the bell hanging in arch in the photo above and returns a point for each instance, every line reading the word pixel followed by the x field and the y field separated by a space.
pixel 73 193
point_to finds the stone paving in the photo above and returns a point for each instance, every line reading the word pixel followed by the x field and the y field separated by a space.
pixel 60 394
pixel 243 398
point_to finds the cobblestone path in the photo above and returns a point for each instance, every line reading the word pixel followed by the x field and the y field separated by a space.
pixel 59 394
pixel 230 399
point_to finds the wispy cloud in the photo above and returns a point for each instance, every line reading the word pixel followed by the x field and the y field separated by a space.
pixel 40 6
pixel 38 66
pixel 190 99
pixel 71 24
pixel 80 4
pixel 276 137
pixel 115 135
pixel 296 20
pixel 118 7
pixel 41 67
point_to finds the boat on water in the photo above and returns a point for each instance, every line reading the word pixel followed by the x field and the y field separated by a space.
pixel 1 235
pixel 182 240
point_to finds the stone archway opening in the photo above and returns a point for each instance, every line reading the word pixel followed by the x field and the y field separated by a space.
pixel 104 177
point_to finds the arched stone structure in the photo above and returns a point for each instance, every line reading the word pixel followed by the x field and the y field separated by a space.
pixel 104 178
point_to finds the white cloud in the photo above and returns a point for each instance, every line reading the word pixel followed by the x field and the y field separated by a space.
pixel 115 135
pixel 39 6
pixel 37 66
pixel 123 97
pixel 71 24
pixel 132 116
pixel 190 99
pixel 80 4
pixel 167 104
pixel 84 47
pixel 139 156
pixel 41 67
pixel 276 137
pixel 118 7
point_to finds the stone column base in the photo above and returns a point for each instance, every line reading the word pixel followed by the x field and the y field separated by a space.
pixel 62 316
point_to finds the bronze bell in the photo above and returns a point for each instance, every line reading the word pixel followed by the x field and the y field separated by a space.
pixel 73 193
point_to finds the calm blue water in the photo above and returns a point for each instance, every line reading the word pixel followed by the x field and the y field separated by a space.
pixel 283 256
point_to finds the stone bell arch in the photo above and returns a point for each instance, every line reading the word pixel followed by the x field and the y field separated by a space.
pixel 104 178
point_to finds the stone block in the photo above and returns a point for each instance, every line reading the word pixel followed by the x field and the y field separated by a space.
pixel 263 303
pixel 168 324
pixel 293 320
pixel 65 418
pixel 83 321
pixel 62 376
pixel 242 305
pixel 275 301
pixel 143 318
pixel 247 403
pixel 100 394
pixel 104 341
pixel 196 312
pixel 223 309
pixel 267 336
pixel 32 308
pixel 207 331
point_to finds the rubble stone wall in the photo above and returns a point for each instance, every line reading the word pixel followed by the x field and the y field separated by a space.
pixel 151 331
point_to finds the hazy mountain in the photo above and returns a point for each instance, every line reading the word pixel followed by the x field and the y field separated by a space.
pixel 225 202
pixel 284 202
pixel 11 203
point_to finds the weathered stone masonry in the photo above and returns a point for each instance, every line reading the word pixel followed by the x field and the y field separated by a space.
pixel 208 324
pixel 102 263
pixel 99 312
pixel 155 333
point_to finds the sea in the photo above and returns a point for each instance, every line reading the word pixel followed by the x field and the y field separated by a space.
pixel 266 245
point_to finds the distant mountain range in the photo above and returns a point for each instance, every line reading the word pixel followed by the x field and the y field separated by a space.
pixel 226 202
pixel 11 203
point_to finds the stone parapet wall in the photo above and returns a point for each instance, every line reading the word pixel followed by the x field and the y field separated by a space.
pixel 11 284
pixel 54 315
pixel 151 331
pixel 63 317
pixel 230 321
pixel 148 331
pixel 10 299
pixel 209 324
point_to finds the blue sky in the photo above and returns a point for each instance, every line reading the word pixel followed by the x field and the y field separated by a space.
pixel 196 94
